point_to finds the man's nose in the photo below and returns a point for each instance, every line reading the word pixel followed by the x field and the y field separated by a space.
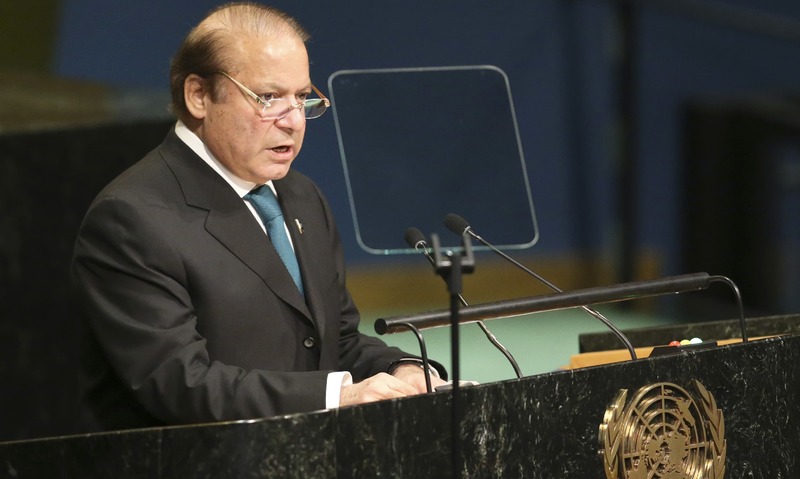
pixel 294 117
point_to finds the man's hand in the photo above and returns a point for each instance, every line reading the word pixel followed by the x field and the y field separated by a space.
pixel 414 375
pixel 405 380
pixel 378 387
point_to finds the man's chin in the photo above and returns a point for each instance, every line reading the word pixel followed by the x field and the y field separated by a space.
pixel 274 172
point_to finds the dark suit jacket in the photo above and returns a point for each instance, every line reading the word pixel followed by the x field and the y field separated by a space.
pixel 192 316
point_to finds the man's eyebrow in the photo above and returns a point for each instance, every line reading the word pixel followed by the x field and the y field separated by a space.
pixel 272 86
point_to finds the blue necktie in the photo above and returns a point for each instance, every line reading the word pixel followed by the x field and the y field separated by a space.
pixel 267 207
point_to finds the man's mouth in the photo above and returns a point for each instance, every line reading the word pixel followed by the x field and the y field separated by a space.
pixel 280 149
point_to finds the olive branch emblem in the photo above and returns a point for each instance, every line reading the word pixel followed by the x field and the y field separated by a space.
pixel 610 436
pixel 716 422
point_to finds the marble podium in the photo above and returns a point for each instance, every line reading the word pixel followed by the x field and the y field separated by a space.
pixel 544 426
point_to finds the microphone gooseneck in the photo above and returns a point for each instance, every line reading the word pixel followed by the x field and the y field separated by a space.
pixel 460 226
pixel 738 295
pixel 416 239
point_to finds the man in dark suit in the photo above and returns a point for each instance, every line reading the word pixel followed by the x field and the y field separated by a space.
pixel 192 314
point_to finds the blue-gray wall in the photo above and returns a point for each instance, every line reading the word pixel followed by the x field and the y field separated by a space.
pixel 561 57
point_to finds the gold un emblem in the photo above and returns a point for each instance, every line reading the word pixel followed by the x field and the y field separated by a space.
pixel 664 433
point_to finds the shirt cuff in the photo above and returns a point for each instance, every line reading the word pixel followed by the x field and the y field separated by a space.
pixel 333 390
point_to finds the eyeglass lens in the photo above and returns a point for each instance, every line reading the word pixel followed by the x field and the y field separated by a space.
pixel 280 107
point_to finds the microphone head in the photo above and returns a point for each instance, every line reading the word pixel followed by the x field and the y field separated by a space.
pixel 415 238
pixel 456 224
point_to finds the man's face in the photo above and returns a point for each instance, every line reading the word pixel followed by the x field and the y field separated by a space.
pixel 253 148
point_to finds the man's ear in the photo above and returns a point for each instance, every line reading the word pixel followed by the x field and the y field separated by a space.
pixel 195 94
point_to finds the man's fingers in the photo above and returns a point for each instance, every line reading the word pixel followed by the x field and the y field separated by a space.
pixel 376 388
pixel 388 386
pixel 415 376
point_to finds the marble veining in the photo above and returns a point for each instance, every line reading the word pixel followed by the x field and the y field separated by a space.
pixel 542 426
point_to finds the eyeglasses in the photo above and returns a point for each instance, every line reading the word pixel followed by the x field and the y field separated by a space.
pixel 277 108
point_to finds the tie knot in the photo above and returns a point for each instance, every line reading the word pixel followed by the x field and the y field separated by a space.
pixel 265 202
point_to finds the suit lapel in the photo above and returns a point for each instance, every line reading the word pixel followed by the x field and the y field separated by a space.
pixel 294 202
pixel 230 222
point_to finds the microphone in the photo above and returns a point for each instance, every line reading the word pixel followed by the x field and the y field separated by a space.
pixel 460 226
pixel 416 239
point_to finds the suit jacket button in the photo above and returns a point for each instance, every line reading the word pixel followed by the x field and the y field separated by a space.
pixel 308 342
